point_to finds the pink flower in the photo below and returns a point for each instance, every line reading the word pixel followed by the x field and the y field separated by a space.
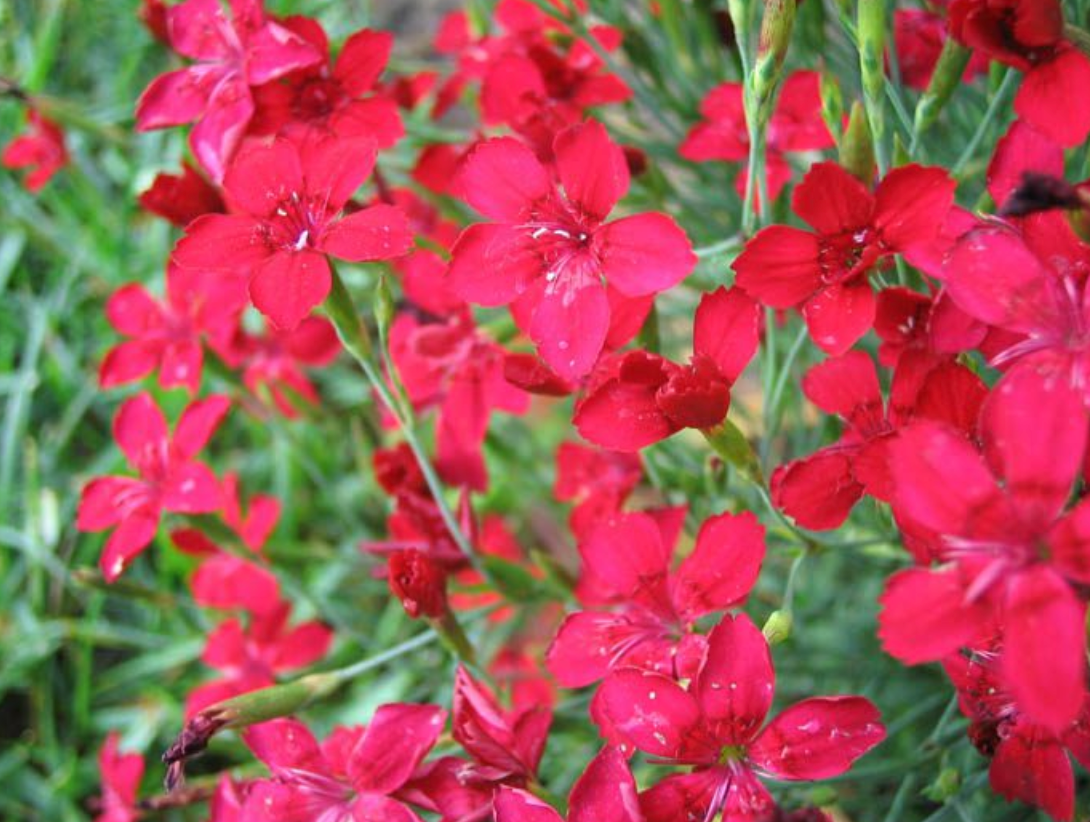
pixel 167 336
pixel 121 775
pixel 824 273
pixel 274 363
pixel 356 773
pixel 820 491
pixel 716 726
pixel 551 250
pixel 597 481
pixel 652 607
pixel 606 792
pixel 169 477
pixel 638 398
pixel 1009 554
pixel 232 54
pixel 41 150
pixel 330 97
pixel 796 125
pixel 289 201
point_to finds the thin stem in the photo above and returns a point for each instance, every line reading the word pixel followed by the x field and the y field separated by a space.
pixel 1009 79
pixel 721 247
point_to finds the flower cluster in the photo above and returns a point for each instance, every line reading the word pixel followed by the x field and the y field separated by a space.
pixel 537 267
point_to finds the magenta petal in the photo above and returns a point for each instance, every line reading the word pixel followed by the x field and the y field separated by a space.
pixel 370 807
pixel 911 205
pixel 378 232
pixel 221 242
pixel 650 712
pixel 685 796
pixel 644 254
pixel 622 413
pixel 1053 97
pixel 132 536
pixel 140 430
pixel 273 51
pixel 362 59
pixel 1068 543
pixel 197 423
pixel 132 311
pixel 832 200
pixel 502 179
pixel 335 168
pixel 100 502
pixel 846 386
pixel 605 792
pixel 722 568
pixel 511 805
pixel 1034 440
pixel 818 491
pixel 492 264
pixel 838 316
pixel 779 266
pixel 626 554
pixel 582 650
pixel 174 98
pixel 394 744
pixel 1022 149
pixel 285 745
pixel 592 168
pixel 926 614
pixel 727 329
pixel 569 326
pixel 192 489
pixel 126 362
pixel 818 738
pixel 736 684
pixel 1031 766
pixel 217 134
pixel 288 285
pixel 262 177
pixel 1044 653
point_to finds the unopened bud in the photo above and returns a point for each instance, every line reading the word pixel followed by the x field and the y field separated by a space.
pixel 857 147
pixel 832 102
pixel 419 583
pixel 777 627
pixel 946 77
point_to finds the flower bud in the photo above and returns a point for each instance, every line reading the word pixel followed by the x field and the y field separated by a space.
pixel 419 583
pixel 857 147
pixel 777 627
pixel 944 79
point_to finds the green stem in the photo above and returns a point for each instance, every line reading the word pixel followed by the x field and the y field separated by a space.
pixel 1009 79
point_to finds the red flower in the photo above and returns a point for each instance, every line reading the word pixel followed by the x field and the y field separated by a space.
pixel 169 478
pixel 919 35
pixel 357 773
pixel 1031 283
pixel 454 366
pixel 715 725
pixel 418 582
pixel 227 581
pixel 551 250
pixel 290 199
pixel 824 272
pixel 1028 35
pixel 252 527
pixel 182 198
pixel 41 150
pixel 1009 554
pixel 1023 149
pixel 251 657
pixel 606 792
pixel 328 98
pixel 121 775
pixel 637 398
pixel 1029 761
pixel 167 336
pixel 820 491
pixel 627 565
pixel 233 54
pixel 274 363
pixel 796 125
pixel 506 745
pixel 597 481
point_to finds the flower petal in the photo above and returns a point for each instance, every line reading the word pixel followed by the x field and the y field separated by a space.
pixel 722 568
pixel 502 179
pixel 736 684
pixel 644 254
pixel 396 741
pixel 288 285
pixel 377 232
pixel 592 168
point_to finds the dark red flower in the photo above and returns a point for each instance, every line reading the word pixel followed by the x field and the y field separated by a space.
pixel 169 477
pixel 232 54
pixel 716 723
pixel 637 398
pixel 41 150
pixel 552 250
pixel 182 198
pixel 289 200
pixel 418 582
pixel 1028 35
pixel 824 273
pixel 919 35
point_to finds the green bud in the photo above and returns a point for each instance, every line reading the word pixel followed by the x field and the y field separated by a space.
pixel 832 102
pixel 731 445
pixel 944 80
pixel 384 307
pixel 776 26
pixel 856 145
pixel 946 785
pixel 777 627
pixel 871 26
pixel 342 313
